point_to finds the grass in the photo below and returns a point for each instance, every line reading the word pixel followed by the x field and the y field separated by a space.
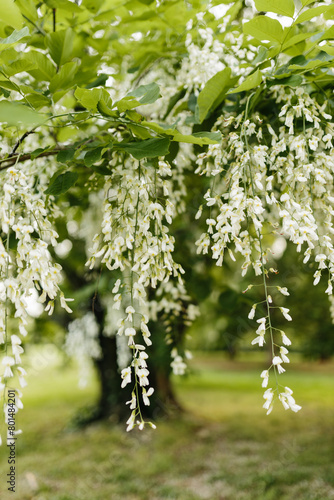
pixel 223 448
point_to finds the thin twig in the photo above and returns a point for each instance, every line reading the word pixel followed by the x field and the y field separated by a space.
pixel 21 139
pixel 54 19
pixel 34 24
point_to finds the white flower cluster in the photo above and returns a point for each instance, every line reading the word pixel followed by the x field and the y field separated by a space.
pixel 135 240
pixel 25 264
pixel 280 178
pixel 209 54
pixel 82 344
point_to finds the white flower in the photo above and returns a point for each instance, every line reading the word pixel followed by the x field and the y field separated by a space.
pixel 262 326
pixel 8 361
pixel 130 332
pixel 142 374
pixel 252 312
pixel 146 395
pixel 265 376
pixel 178 365
pixel 283 353
pixel 129 311
pixel 131 421
pixel 283 290
pixel 288 401
pixel 132 402
pixel 277 362
pixel 285 312
pixel 321 259
pixel 63 303
pixel 126 376
pixel 268 396
pixel 259 340
pixel 316 276
pixel 116 286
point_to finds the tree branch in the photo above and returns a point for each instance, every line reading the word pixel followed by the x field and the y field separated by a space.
pixel 12 160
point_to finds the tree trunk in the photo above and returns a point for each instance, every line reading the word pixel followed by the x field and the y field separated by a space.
pixel 112 400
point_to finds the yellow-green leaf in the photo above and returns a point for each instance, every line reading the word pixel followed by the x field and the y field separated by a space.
pixel 60 45
pixel 314 12
pixel 15 36
pixel 89 98
pixel 214 90
pixel 15 113
pixel 251 82
pixel 264 28
pixel 10 14
pixel 283 7
pixel 297 39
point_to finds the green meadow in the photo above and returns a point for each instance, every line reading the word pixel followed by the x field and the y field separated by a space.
pixel 223 446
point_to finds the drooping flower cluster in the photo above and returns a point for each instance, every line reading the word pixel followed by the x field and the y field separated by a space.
pixel 136 241
pixel 279 178
pixel 25 264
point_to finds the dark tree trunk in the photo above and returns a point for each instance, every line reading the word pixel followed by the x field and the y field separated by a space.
pixel 112 399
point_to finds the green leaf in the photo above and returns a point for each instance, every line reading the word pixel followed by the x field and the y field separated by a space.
pixel 262 54
pixel 307 2
pixel 291 81
pixel 138 131
pixel 208 137
pixel 101 169
pixel 148 93
pixel 37 152
pixel 10 14
pixel 150 148
pixel 173 100
pixel 294 40
pixel 15 36
pixel 127 103
pixel 66 155
pixel 264 28
pixel 329 49
pixel 89 98
pixel 45 70
pixel 251 82
pixel 14 113
pixel 64 78
pixel 28 9
pixel 213 93
pixel 329 14
pixel 37 101
pixel 63 5
pixel 200 138
pixel 92 5
pixel 283 7
pixel 60 45
pixel 92 156
pixel 314 12
pixel 104 105
pixel 329 34
pixel 18 66
pixel 62 183
pixel 314 63
pixel 100 81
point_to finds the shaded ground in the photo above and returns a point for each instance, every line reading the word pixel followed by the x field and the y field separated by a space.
pixel 227 449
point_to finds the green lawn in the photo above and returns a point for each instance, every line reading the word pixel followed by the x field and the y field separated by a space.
pixel 223 448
